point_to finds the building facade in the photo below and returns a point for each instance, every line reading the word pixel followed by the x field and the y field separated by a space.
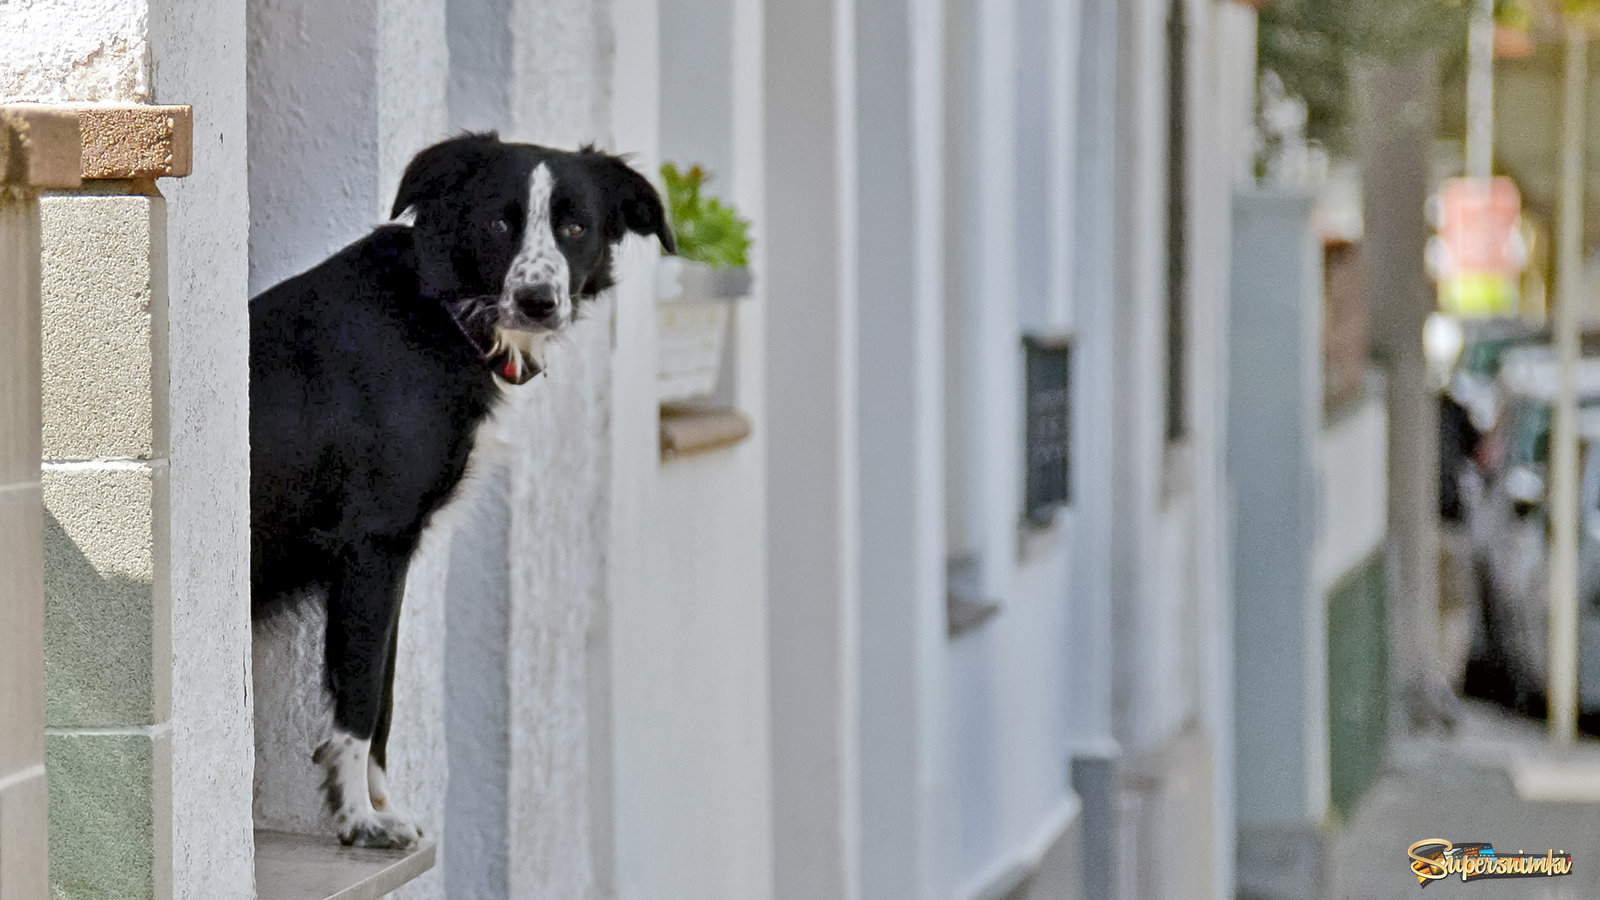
pixel 851 651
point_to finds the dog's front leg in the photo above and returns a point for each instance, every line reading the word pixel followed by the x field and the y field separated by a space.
pixel 378 761
pixel 363 613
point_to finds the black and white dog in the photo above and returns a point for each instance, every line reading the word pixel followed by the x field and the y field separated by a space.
pixel 369 375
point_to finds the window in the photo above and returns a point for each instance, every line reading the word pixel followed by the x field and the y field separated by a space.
pixel 1048 428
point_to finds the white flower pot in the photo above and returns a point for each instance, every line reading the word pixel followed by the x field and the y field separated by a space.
pixel 693 306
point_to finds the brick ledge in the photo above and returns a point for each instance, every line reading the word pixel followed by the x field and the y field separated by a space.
pixel 127 141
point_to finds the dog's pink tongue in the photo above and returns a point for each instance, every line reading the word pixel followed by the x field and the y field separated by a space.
pixel 509 370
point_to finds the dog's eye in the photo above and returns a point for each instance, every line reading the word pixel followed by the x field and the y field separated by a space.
pixel 500 226
pixel 570 230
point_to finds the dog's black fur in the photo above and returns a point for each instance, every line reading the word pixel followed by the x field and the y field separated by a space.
pixel 370 373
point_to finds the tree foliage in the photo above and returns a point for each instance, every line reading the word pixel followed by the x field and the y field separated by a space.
pixel 1311 45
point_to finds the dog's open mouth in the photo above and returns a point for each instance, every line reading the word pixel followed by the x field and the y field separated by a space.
pixel 518 355
pixel 514 354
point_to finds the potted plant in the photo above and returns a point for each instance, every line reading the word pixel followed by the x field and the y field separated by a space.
pixel 698 286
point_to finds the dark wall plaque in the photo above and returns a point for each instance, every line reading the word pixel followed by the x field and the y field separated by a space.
pixel 1049 426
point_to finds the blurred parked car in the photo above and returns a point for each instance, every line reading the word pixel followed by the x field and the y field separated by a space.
pixel 1507 518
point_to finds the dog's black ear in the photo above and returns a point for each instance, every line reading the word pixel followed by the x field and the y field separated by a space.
pixel 632 204
pixel 442 168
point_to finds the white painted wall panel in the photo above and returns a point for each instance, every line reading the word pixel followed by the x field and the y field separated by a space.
pixel 54 51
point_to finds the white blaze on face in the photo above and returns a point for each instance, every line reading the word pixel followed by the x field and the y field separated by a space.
pixel 540 260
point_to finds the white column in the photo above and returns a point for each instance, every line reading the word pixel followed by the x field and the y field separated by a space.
pixel 198 51
pixel 686 567
pixel 811 377
pixel 557 432
pixel 906 831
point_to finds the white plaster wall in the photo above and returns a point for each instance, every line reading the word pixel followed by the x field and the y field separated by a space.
pixel 1008 722
pixel 908 809
pixel 1172 614
pixel 688 658
pixel 813 544
pixel 559 486
pixel 1223 125
pixel 477 853
pixel 1095 445
pixel 53 51
pixel 341 96
pixel 477 691
pixel 696 87
pixel 1281 619
pixel 413 75
pixel 1222 100
pixel 560 72
pixel 313 132
pixel 1352 469
pixel 558 543
pixel 480 64
pixel 1144 664
pixel 197 50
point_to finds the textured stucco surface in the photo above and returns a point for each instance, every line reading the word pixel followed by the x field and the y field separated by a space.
pixel 412 83
pixel 313 98
pixel 100 555
pixel 107 834
pixel 477 688
pixel 561 55
pixel 198 51
pixel 558 485
pixel 292 714
pixel 480 64
pixel 98 287
pixel 559 427
pixel 59 50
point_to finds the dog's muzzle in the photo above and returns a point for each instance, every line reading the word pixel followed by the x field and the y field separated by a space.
pixel 539 303
pixel 510 350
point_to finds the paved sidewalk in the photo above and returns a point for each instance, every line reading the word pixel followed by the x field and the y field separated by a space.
pixel 1459 787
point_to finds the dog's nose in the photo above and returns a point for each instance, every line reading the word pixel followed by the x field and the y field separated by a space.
pixel 537 302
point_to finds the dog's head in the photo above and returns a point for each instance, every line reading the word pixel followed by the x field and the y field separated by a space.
pixel 518 236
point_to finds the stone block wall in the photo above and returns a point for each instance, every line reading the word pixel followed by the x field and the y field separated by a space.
pixel 148 749
pixel 108 652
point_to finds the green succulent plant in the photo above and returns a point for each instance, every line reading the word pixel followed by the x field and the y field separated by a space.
pixel 707 229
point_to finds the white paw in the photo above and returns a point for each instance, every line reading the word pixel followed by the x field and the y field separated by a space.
pixel 386 830
pixel 358 796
